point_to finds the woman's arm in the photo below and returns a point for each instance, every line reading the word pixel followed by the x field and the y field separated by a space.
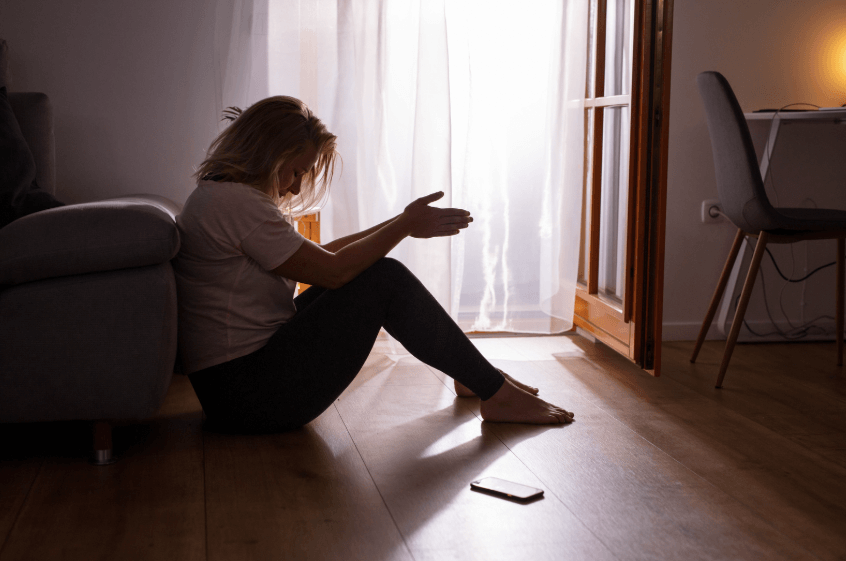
pixel 313 264
pixel 335 245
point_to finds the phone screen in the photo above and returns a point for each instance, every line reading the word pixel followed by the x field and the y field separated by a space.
pixel 506 488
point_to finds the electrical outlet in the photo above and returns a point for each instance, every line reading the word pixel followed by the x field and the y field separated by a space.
pixel 707 217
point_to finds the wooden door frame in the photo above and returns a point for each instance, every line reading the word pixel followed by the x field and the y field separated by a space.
pixel 635 331
pixel 651 86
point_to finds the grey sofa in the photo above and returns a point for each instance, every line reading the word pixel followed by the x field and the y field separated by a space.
pixel 87 301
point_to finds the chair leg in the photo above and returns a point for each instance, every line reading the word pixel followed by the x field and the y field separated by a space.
pixel 103 444
pixel 718 293
pixel 741 307
pixel 839 300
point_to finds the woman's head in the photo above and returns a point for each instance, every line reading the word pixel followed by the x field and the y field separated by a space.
pixel 277 146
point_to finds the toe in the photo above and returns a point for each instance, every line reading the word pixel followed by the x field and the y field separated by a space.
pixel 565 414
pixel 564 418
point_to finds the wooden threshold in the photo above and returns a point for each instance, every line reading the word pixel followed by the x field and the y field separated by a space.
pixel 606 322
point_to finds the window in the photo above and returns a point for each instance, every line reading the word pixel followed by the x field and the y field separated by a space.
pixel 621 251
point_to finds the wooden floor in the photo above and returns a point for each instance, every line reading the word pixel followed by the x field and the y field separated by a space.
pixel 653 468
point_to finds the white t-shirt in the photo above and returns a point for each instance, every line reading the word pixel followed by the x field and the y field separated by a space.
pixel 230 303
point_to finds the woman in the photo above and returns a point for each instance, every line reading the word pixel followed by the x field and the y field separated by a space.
pixel 261 360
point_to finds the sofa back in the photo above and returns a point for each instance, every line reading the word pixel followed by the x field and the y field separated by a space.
pixel 34 114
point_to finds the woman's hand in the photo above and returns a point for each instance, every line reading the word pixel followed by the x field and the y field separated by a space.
pixel 425 221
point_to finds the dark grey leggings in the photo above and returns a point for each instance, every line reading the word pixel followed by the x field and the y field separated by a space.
pixel 313 357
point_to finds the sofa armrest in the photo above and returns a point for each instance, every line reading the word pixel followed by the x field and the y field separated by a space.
pixel 120 233
pixel 162 203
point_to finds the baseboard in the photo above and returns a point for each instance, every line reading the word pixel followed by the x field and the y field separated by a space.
pixel 689 331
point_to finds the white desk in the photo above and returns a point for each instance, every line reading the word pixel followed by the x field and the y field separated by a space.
pixel 777 120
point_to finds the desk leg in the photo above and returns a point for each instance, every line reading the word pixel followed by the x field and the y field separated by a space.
pixel 768 149
pixel 728 294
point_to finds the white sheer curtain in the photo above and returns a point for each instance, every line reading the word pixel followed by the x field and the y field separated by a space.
pixel 240 54
pixel 476 98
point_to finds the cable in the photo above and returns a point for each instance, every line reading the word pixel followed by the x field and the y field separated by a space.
pixel 805 267
pixel 820 268
pixel 785 285
pixel 796 332
pixel 802 329
pixel 714 211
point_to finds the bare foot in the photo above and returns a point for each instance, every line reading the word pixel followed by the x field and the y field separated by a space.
pixel 525 387
pixel 512 405
pixel 463 391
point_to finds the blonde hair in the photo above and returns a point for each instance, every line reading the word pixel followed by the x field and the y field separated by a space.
pixel 260 140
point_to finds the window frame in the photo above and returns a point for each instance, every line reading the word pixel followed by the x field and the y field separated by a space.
pixel 634 328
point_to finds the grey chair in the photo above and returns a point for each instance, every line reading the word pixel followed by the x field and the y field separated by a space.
pixel 745 203
pixel 87 302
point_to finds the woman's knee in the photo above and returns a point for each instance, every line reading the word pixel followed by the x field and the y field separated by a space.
pixel 385 275
pixel 388 266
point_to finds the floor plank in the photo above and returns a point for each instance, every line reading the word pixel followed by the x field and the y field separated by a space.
pixel 423 448
pixel 304 494
pixel 16 478
pixel 148 505
pixel 797 492
pixel 403 370
pixel 794 394
pixel 638 499
pixel 653 468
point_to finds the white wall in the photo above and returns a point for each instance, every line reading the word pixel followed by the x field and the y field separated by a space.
pixel 772 53
pixel 131 86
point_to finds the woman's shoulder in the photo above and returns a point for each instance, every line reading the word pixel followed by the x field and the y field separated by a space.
pixel 227 196
pixel 209 189
pixel 227 201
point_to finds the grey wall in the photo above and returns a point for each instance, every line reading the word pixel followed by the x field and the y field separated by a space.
pixel 131 85
pixel 772 53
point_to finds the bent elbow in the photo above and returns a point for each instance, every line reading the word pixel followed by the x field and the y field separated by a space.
pixel 336 281
pixel 339 274
pixel 341 280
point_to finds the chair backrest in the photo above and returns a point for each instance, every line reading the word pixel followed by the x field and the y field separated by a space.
pixel 739 183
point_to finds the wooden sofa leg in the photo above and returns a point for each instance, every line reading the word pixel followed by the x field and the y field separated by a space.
pixel 102 444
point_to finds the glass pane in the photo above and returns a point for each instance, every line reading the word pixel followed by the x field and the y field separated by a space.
pixel 614 203
pixel 584 246
pixel 591 51
pixel 618 47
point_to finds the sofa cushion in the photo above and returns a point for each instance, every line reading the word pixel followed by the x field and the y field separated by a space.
pixel 98 346
pixel 87 238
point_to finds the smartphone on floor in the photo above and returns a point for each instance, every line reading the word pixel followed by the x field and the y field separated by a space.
pixel 506 488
